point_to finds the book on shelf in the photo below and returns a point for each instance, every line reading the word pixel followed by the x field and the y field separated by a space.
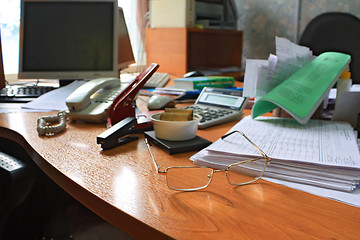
pixel 193 83
pixel 321 153
pixel 303 92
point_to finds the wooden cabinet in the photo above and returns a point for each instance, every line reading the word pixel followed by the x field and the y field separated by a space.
pixel 179 50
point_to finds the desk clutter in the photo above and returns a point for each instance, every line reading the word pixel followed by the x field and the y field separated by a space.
pixel 158 79
pixel 193 83
pixel 214 105
pixel 320 153
pixel 173 147
pixel 315 156
pixel 293 80
pixel 175 124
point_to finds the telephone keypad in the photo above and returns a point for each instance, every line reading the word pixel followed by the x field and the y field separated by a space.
pixel 107 96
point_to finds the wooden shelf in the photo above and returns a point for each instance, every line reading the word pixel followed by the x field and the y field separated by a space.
pixel 179 50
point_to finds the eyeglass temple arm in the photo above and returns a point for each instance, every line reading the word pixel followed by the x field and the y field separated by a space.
pixel 243 134
pixel 152 157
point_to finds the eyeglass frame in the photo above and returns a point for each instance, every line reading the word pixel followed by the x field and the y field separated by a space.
pixel 267 160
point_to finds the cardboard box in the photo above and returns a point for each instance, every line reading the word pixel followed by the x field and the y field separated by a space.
pixel 172 13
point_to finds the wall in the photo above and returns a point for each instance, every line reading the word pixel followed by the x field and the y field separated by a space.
pixel 262 20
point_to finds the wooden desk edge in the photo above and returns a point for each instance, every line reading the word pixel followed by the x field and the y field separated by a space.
pixel 140 230
pixel 108 212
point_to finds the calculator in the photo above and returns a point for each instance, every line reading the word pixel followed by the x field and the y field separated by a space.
pixel 217 105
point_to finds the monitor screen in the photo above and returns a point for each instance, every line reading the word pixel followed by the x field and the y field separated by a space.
pixel 68 39
pixel 125 53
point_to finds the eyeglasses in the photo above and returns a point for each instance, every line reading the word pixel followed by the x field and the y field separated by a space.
pixel 192 178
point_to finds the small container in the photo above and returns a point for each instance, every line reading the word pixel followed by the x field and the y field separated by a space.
pixel 343 84
pixel 175 130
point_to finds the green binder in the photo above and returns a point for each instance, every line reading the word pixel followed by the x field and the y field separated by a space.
pixel 302 93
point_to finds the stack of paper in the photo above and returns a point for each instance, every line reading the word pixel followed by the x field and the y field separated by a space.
pixel 320 153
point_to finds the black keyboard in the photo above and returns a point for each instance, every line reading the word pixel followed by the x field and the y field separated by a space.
pixel 23 93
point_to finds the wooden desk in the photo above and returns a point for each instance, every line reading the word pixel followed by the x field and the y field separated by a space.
pixel 122 186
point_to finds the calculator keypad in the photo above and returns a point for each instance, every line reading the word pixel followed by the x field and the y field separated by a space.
pixel 212 116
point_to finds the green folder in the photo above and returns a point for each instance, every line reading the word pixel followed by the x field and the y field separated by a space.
pixel 302 93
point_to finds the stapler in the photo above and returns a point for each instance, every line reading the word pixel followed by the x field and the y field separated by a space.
pixel 122 119
pixel 119 134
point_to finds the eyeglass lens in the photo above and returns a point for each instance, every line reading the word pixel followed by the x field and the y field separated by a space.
pixel 188 178
pixel 193 178
pixel 246 172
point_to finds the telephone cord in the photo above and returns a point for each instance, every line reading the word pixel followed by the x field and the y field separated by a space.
pixel 45 125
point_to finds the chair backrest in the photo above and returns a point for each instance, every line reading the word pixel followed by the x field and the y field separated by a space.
pixel 338 32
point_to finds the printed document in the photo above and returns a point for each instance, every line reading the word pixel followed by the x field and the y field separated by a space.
pixel 261 76
pixel 321 157
pixel 320 153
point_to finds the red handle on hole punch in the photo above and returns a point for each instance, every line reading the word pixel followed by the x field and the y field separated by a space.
pixel 123 105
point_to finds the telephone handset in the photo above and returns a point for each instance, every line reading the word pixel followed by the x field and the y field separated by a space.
pixel 91 99
pixel 101 100
pixel 88 102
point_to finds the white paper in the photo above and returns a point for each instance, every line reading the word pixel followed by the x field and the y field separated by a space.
pixel 321 153
pixel 53 100
pixel 261 76
pixel 319 142
pixel 251 75
pixel 352 198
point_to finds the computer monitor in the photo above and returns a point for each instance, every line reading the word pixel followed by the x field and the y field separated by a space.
pixel 68 39
pixel 125 53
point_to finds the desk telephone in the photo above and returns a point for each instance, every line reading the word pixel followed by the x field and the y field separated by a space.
pixel 101 100
pixel 90 100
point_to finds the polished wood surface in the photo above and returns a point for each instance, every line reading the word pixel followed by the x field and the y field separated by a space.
pixel 122 186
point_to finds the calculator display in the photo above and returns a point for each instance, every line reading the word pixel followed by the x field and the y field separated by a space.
pixel 227 100
pixel 230 99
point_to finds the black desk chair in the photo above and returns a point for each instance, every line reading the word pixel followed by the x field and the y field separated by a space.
pixel 16 180
pixel 337 32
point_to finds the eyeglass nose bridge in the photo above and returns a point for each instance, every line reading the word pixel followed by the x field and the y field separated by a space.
pixel 226 170
pixel 211 175
pixel 218 170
